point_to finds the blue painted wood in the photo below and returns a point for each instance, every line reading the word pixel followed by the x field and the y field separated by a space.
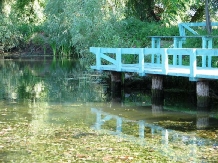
pixel 193 64
pixel 118 58
pixel 163 67
pixel 177 43
pixel 187 26
pixel 207 42
pixel 141 62
pixel 109 59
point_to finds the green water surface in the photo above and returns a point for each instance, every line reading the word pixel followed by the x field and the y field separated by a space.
pixel 62 112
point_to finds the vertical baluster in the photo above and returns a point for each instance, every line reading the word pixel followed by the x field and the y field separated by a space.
pixel 98 58
pixel 118 58
pixel 165 62
pixel 141 61
pixel 193 64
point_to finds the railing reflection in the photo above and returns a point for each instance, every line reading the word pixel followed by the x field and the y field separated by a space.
pixel 102 117
pixel 162 139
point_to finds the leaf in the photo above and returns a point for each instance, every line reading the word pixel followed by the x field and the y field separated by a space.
pixel 108 158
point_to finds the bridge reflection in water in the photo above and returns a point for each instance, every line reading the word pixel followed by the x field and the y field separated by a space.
pixel 177 145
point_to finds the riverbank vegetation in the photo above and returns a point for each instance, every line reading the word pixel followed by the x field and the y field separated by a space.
pixel 68 28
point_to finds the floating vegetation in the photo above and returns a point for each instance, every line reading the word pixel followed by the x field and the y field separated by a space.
pixel 177 125
pixel 68 122
pixel 73 143
pixel 21 141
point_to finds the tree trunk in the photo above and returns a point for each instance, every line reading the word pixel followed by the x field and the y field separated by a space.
pixel 207 15
pixel 1 6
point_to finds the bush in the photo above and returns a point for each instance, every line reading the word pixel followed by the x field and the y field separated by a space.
pixel 10 36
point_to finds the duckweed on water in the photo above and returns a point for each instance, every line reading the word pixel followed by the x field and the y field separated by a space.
pixel 78 143
pixel 61 143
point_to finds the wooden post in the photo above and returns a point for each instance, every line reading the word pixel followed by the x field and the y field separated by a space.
pixel 165 65
pixel 118 59
pixel 193 65
pixel 157 85
pixel 202 90
pixel 98 58
pixel 155 44
pixel 157 94
pixel 116 83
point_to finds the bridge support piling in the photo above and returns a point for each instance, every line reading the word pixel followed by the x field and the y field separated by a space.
pixel 157 86
pixel 202 90
pixel 116 83
pixel 157 94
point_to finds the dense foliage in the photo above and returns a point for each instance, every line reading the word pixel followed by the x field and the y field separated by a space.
pixel 71 27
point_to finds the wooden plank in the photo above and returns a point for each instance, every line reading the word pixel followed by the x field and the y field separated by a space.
pixel 98 58
pixel 131 50
pixel 190 29
pixel 179 51
pixel 93 49
pixel 148 51
pixel 201 24
pixel 141 62
pixel 208 52
pixel 109 59
pixel 108 50
pixel 165 62
pixel 118 59
pixel 193 64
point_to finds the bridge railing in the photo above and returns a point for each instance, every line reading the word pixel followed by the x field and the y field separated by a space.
pixel 187 26
pixel 159 58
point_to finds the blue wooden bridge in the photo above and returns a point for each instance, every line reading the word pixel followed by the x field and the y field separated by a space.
pixel 194 63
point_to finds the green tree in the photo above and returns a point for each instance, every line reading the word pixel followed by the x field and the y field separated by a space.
pixel 31 11
pixel 1 6
pixel 143 10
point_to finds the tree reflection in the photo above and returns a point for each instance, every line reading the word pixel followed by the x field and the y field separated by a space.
pixel 64 81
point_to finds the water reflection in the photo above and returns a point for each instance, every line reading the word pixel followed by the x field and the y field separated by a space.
pixel 162 139
pixel 47 80
pixel 203 116
pixel 157 103
pixel 55 93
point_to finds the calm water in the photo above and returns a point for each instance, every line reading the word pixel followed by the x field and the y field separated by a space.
pixel 46 93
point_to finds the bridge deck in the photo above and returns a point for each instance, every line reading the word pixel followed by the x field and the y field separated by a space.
pixel 172 71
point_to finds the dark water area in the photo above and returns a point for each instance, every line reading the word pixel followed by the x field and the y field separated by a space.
pixel 43 93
